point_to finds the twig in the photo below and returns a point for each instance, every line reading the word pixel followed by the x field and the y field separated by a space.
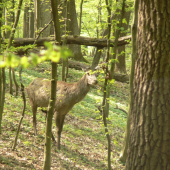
pixel 121 109
pixel 42 31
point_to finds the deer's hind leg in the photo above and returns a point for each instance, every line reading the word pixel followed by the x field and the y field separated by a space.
pixel 34 110
pixel 59 120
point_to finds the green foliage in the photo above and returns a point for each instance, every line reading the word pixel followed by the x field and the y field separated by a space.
pixel 83 140
pixel 53 53
pixel 90 23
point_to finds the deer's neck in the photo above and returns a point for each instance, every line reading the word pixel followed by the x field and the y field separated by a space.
pixel 81 88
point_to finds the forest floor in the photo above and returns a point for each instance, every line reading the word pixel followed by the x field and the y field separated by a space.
pixel 83 142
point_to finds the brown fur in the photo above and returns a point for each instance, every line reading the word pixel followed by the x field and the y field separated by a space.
pixel 68 94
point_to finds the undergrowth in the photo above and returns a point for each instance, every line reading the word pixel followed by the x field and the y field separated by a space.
pixel 83 142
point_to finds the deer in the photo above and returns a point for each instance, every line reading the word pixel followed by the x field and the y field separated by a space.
pixel 67 95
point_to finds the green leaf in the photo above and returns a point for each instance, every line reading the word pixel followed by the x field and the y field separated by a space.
pixel 121 28
pixel 34 58
pixel 24 62
pixel 48 45
pixel 65 53
pixel 12 60
pixel 55 56
pixel 124 21
pixel 2 64
pixel 115 142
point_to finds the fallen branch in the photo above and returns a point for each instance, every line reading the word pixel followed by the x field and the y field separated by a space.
pixel 73 40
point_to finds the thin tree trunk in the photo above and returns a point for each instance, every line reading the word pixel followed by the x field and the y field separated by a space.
pixel 81 9
pixel 97 50
pixel 123 154
pixel 2 75
pixel 1 111
pixel 31 22
pixel 23 112
pixel 121 65
pixel 96 58
pixel 47 149
pixel 2 95
pixel 36 16
pixel 26 22
pixel 105 90
pixel 117 33
pixel 99 17
pixel 15 82
pixel 103 34
pixel 12 37
pixel 63 70
pixel 64 62
pixel 10 82
pixel 15 24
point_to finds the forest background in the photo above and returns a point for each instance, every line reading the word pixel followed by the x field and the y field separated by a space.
pixel 84 145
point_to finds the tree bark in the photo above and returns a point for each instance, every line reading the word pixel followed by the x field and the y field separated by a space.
pixel 123 154
pixel 47 148
pixel 150 113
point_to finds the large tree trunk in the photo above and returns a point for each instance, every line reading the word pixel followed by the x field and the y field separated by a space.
pixel 73 29
pixel 9 19
pixel 42 17
pixel 26 22
pixel 36 16
pixel 31 20
pixel 45 17
pixel 149 142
